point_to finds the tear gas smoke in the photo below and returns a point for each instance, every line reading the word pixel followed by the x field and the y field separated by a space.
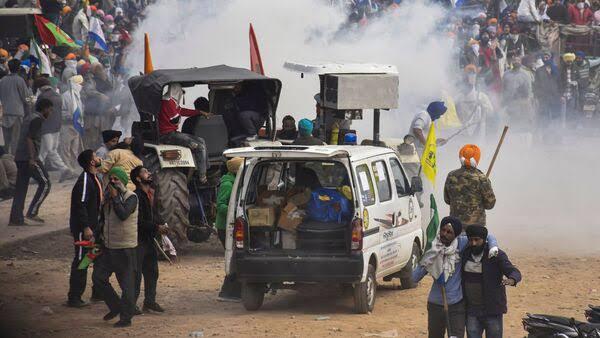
pixel 546 194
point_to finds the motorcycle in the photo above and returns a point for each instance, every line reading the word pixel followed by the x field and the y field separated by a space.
pixel 590 104
pixel 593 314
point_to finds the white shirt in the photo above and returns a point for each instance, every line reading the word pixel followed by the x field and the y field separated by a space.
pixel 421 121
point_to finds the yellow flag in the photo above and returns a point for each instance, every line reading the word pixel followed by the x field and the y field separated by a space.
pixel 428 160
pixel 450 118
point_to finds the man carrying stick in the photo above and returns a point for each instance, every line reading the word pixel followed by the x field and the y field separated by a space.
pixel 445 305
pixel 468 191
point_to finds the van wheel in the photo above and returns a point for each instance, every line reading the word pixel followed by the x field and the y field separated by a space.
pixel 364 293
pixel 406 279
pixel 253 295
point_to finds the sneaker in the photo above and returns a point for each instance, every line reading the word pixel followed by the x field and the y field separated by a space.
pixel 122 323
pixel 35 218
pixel 153 307
pixel 110 316
pixel 78 303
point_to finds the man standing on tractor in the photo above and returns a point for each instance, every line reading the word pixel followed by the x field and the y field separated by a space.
pixel 168 124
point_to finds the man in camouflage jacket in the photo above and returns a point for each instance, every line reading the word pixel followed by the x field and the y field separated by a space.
pixel 468 191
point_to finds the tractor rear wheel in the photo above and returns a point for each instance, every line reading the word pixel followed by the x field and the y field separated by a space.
pixel 172 202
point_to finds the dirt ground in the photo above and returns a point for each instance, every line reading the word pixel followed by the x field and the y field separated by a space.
pixel 32 281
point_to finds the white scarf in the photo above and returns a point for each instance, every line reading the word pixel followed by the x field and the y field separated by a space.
pixel 441 259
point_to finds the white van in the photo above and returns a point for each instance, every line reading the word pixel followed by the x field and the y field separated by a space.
pixel 322 214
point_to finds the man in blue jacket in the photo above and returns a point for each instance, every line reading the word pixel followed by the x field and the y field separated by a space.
pixel 483 285
pixel 443 263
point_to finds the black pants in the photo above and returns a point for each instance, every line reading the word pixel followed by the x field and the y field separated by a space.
pixel 196 145
pixel 78 278
pixel 123 262
pixel 231 287
pixel 148 267
pixel 24 173
pixel 251 121
pixel 436 320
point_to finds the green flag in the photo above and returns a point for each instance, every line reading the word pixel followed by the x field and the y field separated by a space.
pixel 434 223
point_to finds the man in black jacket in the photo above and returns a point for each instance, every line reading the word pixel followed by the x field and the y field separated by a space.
pixel 484 287
pixel 148 228
pixel 86 198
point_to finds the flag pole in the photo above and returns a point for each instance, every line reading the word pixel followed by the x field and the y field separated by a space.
pixel 489 171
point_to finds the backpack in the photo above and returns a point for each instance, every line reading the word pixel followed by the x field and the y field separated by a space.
pixel 328 205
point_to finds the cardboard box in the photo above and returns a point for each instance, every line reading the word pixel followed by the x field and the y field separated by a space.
pixel 288 240
pixel 300 198
pixel 270 199
pixel 261 216
pixel 291 217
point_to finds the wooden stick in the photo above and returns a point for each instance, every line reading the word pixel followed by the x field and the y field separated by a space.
pixel 489 171
pixel 446 310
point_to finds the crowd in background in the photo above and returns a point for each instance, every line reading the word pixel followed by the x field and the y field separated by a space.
pixel 87 84
pixel 513 69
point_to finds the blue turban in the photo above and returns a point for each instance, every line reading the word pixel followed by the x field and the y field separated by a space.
pixel 436 109
pixel 580 54
pixel 305 127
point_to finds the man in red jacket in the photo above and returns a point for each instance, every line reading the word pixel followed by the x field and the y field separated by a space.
pixel 168 123
pixel 580 14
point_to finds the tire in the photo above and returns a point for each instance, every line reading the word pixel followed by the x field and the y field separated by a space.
pixel 172 202
pixel 406 279
pixel 365 292
pixel 253 295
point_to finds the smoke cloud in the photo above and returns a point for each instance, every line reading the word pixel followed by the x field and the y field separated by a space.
pixel 546 193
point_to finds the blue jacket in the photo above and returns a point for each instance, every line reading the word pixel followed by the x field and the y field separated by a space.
pixel 454 292
pixel 494 293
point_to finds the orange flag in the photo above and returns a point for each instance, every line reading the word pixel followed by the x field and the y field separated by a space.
pixel 255 60
pixel 148 68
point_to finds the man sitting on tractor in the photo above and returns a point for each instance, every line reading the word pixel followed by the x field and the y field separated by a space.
pixel 168 124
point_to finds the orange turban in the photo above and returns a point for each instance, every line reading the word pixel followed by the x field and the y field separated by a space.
pixel 470 155
pixel 70 56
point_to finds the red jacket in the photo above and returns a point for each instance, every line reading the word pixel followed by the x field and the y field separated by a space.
pixel 577 18
pixel 170 114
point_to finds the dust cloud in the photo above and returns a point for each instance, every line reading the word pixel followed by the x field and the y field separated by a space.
pixel 547 193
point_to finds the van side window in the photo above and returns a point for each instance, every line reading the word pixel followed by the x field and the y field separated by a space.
pixel 365 185
pixel 383 181
pixel 399 178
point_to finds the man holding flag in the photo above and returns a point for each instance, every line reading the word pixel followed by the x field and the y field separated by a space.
pixel 445 304
pixel 423 122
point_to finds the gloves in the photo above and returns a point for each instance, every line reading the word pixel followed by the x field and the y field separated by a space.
pixel 493 252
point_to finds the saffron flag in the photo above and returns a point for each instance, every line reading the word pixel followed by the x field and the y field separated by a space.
pixel 428 160
pixel 51 35
pixel 97 35
pixel 432 227
pixel 37 56
pixel 255 60
pixel 148 67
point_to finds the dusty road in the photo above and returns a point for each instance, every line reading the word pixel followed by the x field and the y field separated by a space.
pixel 30 282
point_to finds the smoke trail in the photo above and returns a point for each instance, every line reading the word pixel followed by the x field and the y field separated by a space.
pixel 204 33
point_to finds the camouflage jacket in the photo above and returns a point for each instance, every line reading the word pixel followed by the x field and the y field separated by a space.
pixel 469 193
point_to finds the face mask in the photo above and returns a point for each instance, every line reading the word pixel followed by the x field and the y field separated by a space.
pixel 581 5
pixel 471 78
pixel 477 250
